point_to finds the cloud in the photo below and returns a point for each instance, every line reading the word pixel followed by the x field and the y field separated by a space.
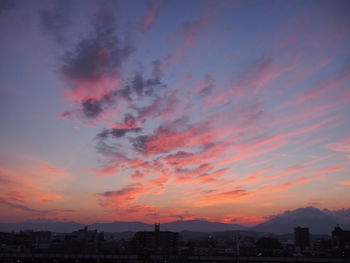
pixel 202 175
pixel 57 19
pixel 222 197
pixel 33 181
pixel 122 197
pixel 170 136
pixel 137 175
pixel 91 107
pixel 254 177
pixel 255 78
pixel 129 95
pixel 127 195
pixel 318 89
pixel 15 196
pixel 116 133
pixel 292 183
pixel 30 211
pixel 151 13
pixel 188 32
pixel 340 146
pixel 111 170
pixel 21 207
pixel 345 183
pixel 314 203
pixel 6 5
pixel 129 123
pixel 196 130
pixel 93 67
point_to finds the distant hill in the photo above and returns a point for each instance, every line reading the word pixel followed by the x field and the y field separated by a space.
pixel 200 226
pixel 41 225
pixel 121 226
pixel 318 221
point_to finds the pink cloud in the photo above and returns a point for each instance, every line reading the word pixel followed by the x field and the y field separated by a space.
pixel 109 171
pixel 127 194
pixel 34 181
pixel 253 80
pixel 149 16
pixel 287 185
pixel 188 33
pixel 222 197
pixel 340 146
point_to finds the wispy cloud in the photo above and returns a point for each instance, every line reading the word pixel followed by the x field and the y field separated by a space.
pixel 150 15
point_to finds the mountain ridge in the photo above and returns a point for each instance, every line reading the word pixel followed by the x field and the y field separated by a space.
pixel 318 221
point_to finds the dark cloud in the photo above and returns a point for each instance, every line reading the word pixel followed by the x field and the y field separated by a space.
pixel 145 87
pixel 139 143
pixel 66 115
pixel 98 55
pixel 129 120
pixel 157 71
pixel 121 129
pixel 135 90
pixel 116 133
pixel 126 194
pixel 138 84
pixel 57 19
pixel 206 90
pixel 126 93
pixel 22 207
pixel 91 107
pixel 6 5
pixel 161 105
pixel 113 151
pixel 40 212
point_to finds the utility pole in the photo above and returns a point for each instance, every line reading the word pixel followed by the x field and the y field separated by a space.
pixel 237 245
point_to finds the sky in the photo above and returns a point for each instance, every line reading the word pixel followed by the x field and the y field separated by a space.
pixel 155 111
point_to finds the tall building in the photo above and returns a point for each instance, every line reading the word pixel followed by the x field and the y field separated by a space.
pixel 340 238
pixel 301 238
pixel 156 242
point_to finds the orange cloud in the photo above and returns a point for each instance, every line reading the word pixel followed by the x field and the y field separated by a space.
pixel 222 197
pixel 109 171
pixel 346 183
pixel 33 181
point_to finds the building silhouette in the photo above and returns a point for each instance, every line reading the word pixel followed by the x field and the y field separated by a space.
pixel 301 238
pixel 81 241
pixel 156 242
pixel 340 238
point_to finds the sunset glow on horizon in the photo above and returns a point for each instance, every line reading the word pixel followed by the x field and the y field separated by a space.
pixel 155 111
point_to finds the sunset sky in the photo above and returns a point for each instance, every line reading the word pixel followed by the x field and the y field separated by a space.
pixel 156 111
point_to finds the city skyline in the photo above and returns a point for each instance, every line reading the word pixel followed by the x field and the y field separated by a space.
pixel 156 111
